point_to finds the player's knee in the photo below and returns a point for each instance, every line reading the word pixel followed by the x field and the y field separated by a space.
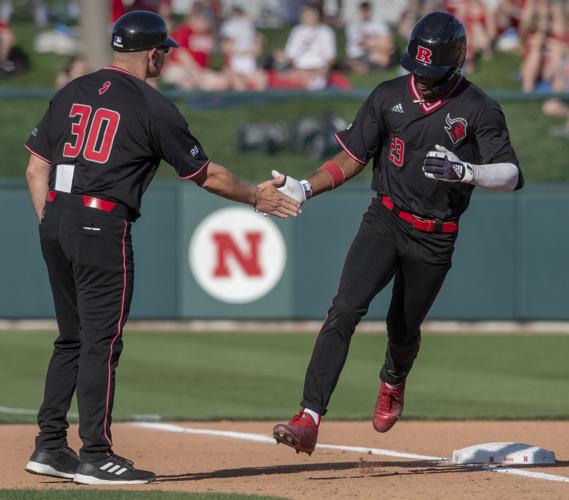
pixel 346 311
pixel 405 331
pixel 98 343
pixel 343 318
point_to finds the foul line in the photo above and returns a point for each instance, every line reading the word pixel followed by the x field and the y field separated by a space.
pixel 261 438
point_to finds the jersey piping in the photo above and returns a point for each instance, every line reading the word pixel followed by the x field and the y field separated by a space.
pixel 345 148
pixel 36 154
pixel 191 176
pixel 429 107
pixel 120 70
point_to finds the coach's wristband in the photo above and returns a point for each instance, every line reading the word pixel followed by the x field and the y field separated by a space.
pixel 336 172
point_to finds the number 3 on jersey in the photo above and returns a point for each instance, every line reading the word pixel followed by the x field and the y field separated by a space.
pixel 97 148
pixel 397 151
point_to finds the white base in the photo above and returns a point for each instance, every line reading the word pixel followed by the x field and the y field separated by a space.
pixel 503 453
pixel 82 479
pixel 46 470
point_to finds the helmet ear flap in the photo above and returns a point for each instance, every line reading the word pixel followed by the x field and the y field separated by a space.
pixel 462 56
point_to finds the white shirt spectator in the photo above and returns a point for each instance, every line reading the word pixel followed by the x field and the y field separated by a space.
pixel 357 30
pixel 241 31
pixel 311 47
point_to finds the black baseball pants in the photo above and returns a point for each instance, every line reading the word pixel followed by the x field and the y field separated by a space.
pixel 384 247
pixel 90 265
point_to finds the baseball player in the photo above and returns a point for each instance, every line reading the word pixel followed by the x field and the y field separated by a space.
pixel 433 136
pixel 92 157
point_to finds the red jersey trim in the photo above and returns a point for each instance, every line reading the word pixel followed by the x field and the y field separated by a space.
pixel 196 172
pixel 345 148
pixel 36 154
pixel 431 106
pixel 120 70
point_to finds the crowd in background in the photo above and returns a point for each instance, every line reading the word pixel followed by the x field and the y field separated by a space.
pixel 217 29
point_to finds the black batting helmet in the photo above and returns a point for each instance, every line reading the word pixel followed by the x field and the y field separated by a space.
pixel 140 30
pixel 437 46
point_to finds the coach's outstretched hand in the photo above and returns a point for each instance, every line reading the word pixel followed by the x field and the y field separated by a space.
pixel 271 201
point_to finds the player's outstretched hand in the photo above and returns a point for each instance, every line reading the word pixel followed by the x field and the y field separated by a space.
pixel 443 165
pixel 291 187
pixel 271 201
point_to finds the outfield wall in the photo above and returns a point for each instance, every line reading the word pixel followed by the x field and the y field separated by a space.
pixel 510 262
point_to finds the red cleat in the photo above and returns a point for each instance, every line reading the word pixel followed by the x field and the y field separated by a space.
pixel 301 433
pixel 389 406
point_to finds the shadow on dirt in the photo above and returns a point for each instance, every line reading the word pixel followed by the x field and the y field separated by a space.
pixel 361 468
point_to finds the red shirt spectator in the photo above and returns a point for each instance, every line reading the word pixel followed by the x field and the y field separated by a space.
pixel 118 7
pixel 196 38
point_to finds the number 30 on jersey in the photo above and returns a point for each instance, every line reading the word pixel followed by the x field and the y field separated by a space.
pixel 94 138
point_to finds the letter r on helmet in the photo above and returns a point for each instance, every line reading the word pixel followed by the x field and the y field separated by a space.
pixel 424 54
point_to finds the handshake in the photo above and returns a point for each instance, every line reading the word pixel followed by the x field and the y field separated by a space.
pixel 299 191
pixel 286 193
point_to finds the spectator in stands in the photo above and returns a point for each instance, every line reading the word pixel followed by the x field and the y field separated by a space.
pixel 7 41
pixel 543 29
pixel 188 66
pixel 309 52
pixel 415 10
pixel 241 46
pixel 369 43
pixel 507 15
pixel 480 27
pixel 212 9
pixel 555 106
pixel 39 12
pixel 75 67
pixel 162 7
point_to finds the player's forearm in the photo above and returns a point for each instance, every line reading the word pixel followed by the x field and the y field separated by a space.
pixel 37 175
pixel 496 176
pixel 441 164
pixel 222 182
pixel 265 197
pixel 327 179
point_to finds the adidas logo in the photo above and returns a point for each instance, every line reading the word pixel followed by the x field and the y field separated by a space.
pixel 398 108
pixel 113 468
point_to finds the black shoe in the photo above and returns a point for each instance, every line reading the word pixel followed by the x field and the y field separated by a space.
pixel 58 463
pixel 112 470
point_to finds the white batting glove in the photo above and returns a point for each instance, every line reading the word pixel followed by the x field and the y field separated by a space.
pixel 297 190
pixel 444 165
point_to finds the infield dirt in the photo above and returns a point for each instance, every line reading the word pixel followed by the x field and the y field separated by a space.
pixel 204 463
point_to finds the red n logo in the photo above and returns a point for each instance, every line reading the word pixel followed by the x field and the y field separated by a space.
pixel 248 261
pixel 424 54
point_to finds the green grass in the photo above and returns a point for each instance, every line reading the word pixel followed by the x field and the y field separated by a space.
pixel 119 495
pixel 541 160
pixel 43 67
pixel 255 376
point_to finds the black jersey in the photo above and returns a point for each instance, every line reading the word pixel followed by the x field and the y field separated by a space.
pixel 105 133
pixel 397 129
